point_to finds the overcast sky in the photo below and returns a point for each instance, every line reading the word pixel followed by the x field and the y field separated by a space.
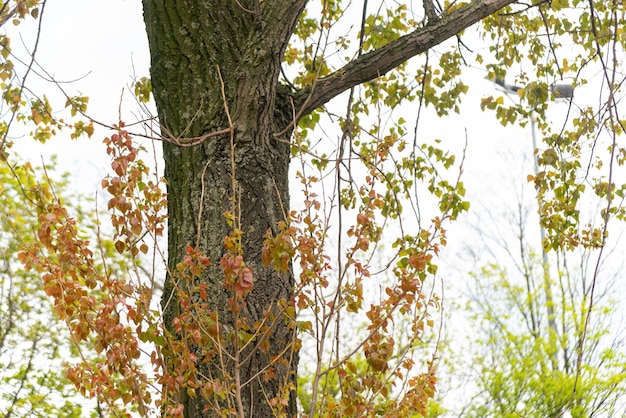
pixel 92 48
pixel 100 44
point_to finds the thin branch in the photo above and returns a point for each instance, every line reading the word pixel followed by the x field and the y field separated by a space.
pixel 612 106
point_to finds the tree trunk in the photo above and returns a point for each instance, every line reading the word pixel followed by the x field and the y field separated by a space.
pixel 192 43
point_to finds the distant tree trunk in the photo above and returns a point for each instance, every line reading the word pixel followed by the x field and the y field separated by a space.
pixel 190 41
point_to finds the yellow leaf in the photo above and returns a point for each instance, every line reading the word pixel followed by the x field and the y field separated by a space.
pixel 89 129
pixel 37 118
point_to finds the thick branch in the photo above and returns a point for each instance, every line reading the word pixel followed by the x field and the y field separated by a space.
pixel 378 62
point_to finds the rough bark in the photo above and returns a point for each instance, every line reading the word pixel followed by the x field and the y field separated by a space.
pixel 189 41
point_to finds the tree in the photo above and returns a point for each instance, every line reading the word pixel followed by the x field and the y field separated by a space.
pixel 524 364
pixel 522 372
pixel 215 69
pixel 238 87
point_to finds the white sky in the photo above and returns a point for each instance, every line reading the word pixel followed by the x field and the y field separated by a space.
pixel 98 46
pixel 101 44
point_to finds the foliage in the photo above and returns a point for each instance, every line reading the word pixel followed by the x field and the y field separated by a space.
pixel 33 344
pixel 527 364
pixel 105 310
pixel 579 36
pixel 524 366
pixel 362 242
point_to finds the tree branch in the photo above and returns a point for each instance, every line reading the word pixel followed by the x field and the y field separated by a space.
pixel 380 61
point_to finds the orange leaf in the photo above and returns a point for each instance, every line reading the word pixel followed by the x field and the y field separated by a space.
pixel 120 246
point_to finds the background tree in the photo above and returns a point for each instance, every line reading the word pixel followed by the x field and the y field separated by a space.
pixel 522 372
pixel 523 364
